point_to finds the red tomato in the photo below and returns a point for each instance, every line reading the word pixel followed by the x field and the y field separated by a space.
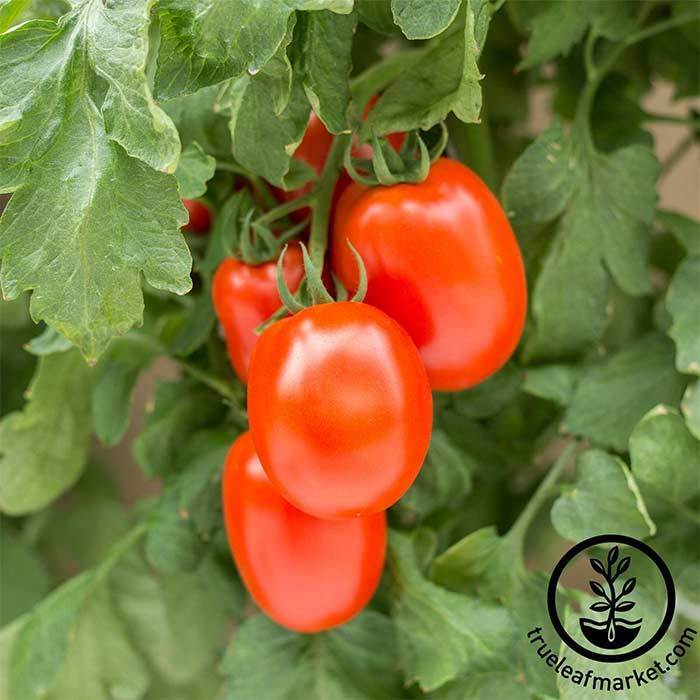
pixel 339 408
pixel 306 573
pixel 200 216
pixel 245 296
pixel 442 260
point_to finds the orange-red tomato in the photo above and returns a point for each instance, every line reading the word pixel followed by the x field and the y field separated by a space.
pixel 339 408
pixel 442 260
pixel 200 216
pixel 306 573
pixel 245 296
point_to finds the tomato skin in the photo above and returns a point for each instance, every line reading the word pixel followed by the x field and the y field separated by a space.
pixel 442 260
pixel 339 408
pixel 245 296
pixel 200 216
pixel 307 574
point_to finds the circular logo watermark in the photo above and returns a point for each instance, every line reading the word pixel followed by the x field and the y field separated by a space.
pixel 614 627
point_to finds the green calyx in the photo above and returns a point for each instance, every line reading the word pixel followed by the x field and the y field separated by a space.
pixel 387 166
pixel 312 291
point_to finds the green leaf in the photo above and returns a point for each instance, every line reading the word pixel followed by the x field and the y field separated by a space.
pixel 356 660
pixel 552 382
pixel 49 342
pixel 683 303
pixel 45 447
pixel 189 511
pixel 196 121
pixel 685 229
pixel 326 64
pixel 560 25
pixel 691 408
pixel 604 498
pixel 423 20
pixel 85 272
pixel 542 181
pixel 73 644
pixel 194 170
pixel 271 108
pixel 181 407
pixel 614 395
pixel 482 563
pixel 472 633
pixel 445 480
pixel 608 204
pixel 211 41
pixel 10 10
pixel 178 623
pixel 115 378
pixel 665 456
pixel 24 580
pixel 490 396
pixel 197 324
pixel 445 80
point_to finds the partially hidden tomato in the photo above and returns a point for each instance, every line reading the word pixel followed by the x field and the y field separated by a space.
pixel 340 409
pixel 442 260
pixel 306 573
pixel 200 216
pixel 245 296
pixel 313 150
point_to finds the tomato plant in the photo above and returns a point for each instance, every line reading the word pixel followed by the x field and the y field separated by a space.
pixel 289 560
pixel 442 325
pixel 443 261
pixel 333 392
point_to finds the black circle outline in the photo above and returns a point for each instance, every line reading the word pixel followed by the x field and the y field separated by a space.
pixel 660 565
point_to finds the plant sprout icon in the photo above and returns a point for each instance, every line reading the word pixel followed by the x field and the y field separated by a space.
pixel 614 632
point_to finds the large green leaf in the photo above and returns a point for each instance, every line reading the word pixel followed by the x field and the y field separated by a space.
pixel 423 20
pixel 445 80
pixel 356 660
pixel 43 449
pixel 208 41
pixel 604 498
pixel 472 633
pixel 614 395
pixel 608 204
pixel 665 456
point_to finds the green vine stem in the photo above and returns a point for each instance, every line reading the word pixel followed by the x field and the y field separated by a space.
pixel 520 527
pixel 322 196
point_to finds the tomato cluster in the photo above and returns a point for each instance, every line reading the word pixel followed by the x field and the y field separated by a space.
pixel 339 394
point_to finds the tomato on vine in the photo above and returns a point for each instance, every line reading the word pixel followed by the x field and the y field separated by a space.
pixel 199 216
pixel 340 409
pixel 307 574
pixel 245 296
pixel 442 260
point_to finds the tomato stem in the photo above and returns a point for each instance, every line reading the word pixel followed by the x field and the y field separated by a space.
pixel 520 527
pixel 323 195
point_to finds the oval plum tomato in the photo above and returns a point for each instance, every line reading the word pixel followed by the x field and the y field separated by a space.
pixel 245 296
pixel 306 573
pixel 200 216
pixel 339 408
pixel 442 260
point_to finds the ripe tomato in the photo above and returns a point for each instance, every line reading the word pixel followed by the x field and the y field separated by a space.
pixel 200 216
pixel 442 260
pixel 245 296
pixel 306 573
pixel 339 408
